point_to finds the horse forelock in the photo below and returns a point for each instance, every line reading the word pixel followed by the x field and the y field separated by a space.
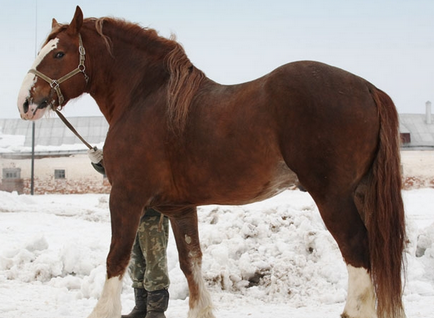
pixel 55 31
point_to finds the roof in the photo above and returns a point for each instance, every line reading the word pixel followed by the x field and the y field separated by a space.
pixel 52 132
pixel 421 133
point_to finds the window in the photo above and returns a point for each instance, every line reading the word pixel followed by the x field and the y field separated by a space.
pixel 59 174
pixel 11 173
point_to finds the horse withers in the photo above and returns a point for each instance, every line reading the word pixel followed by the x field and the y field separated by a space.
pixel 178 140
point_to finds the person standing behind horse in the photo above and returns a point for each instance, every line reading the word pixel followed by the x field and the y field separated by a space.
pixel 148 265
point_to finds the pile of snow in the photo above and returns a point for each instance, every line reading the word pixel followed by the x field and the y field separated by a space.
pixel 264 259
pixel 277 251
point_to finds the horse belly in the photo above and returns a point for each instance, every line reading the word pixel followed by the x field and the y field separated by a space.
pixel 244 184
pixel 260 185
pixel 281 179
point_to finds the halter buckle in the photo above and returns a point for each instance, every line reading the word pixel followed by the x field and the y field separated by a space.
pixel 54 84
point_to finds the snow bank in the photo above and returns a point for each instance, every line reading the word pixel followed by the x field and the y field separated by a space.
pixel 271 253
pixel 277 251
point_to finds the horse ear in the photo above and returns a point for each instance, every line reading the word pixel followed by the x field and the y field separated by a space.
pixel 76 23
pixel 54 23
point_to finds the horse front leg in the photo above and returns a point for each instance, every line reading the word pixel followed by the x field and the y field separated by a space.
pixel 125 212
pixel 184 226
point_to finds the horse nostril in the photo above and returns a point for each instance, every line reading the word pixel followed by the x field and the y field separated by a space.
pixel 26 106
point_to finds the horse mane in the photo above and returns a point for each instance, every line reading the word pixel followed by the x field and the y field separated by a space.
pixel 184 78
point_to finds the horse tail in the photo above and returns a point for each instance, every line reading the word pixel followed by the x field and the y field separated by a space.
pixel 384 208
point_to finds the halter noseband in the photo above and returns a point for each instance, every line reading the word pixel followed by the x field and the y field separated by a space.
pixel 55 84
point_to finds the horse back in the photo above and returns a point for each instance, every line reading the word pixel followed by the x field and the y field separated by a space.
pixel 303 122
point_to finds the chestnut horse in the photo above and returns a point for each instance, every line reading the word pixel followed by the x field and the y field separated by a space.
pixel 178 140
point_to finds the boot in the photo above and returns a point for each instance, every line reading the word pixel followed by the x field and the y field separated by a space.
pixel 140 309
pixel 158 301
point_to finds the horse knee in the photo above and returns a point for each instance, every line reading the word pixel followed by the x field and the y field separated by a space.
pixel 120 252
pixel 116 266
pixel 124 229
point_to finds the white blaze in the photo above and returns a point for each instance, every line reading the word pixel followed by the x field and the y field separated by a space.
pixel 30 79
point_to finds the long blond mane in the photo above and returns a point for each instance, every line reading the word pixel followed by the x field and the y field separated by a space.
pixel 184 80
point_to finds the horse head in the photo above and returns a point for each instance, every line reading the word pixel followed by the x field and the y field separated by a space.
pixel 52 82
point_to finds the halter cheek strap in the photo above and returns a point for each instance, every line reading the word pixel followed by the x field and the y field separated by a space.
pixel 55 84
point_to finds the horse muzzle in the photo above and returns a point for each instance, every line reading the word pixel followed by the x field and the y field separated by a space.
pixel 33 111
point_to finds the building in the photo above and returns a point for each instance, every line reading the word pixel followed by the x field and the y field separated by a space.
pixel 61 164
pixel 417 130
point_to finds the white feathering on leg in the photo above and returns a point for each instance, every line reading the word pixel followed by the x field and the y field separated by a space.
pixel 361 295
pixel 203 306
pixel 109 304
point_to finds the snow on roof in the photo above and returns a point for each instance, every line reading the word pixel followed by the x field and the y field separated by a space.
pixel 51 134
pixel 422 134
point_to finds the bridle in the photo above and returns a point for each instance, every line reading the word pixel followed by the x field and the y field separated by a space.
pixel 55 84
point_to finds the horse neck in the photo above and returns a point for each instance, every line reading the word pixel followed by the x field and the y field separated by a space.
pixel 126 73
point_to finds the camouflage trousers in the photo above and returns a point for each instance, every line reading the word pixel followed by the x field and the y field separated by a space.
pixel 148 265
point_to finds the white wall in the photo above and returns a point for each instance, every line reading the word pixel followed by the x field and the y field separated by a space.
pixel 80 176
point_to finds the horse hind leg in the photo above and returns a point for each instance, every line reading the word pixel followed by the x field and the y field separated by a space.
pixel 361 294
pixel 190 258
pixel 346 226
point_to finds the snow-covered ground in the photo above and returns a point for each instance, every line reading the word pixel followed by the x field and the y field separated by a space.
pixel 269 259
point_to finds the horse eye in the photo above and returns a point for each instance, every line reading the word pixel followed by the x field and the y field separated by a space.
pixel 59 55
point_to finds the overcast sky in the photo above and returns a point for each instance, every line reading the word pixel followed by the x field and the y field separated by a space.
pixel 389 43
